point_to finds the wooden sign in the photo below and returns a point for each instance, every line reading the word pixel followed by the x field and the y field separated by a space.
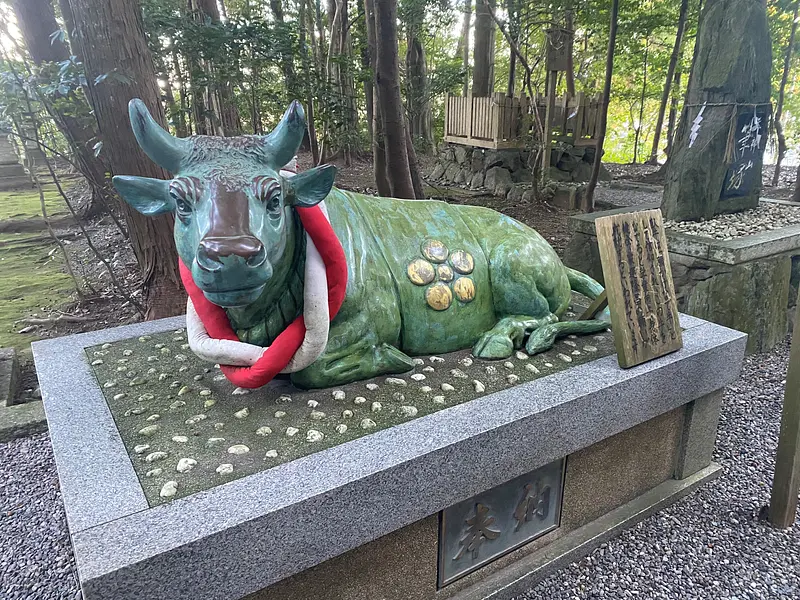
pixel 786 485
pixel 559 48
pixel 638 276
pixel 749 139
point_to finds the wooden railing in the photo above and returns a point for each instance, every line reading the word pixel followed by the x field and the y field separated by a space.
pixel 500 121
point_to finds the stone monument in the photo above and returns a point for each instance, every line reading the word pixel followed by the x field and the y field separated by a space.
pixel 444 462
pixel 12 173
pixel 716 161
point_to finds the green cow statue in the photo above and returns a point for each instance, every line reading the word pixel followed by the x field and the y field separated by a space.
pixel 424 276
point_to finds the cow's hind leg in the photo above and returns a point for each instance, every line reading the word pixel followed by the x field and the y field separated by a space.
pixel 359 361
pixel 508 334
pixel 543 338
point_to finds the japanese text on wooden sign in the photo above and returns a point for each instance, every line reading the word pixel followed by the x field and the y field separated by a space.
pixel 638 278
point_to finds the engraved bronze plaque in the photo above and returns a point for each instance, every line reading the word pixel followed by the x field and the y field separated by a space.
pixel 477 531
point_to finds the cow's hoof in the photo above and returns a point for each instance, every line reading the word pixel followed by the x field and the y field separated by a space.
pixel 493 346
pixel 389 359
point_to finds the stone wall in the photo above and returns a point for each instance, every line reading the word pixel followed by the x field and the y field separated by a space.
pixel 505 173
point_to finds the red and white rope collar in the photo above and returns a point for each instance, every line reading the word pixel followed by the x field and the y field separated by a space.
pixel 212 338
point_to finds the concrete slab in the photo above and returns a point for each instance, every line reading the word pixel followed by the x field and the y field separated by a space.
pixel 21 420
pixel 9 373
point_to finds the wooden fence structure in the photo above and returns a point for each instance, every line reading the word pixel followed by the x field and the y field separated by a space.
pixel 501 121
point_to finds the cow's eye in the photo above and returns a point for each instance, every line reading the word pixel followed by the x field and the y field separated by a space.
pixel 274 203
pixel 183 206
pixel 268 191
pixel 183 192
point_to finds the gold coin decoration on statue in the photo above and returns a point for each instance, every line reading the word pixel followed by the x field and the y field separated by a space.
pixel 420 272
pixel 445 272
pixel 434 251
pixel 462 262
pixel 439 296
pixel 464 289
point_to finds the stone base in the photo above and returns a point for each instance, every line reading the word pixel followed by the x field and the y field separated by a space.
pixel 505 172
pixel 566 196
pixel 746 283
pixel 360 520
pixel 21 420
pixel 608 486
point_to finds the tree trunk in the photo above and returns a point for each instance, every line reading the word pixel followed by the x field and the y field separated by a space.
pixel 69 23
pixel 512 8
pixel 588 199
pixel 182 126
pixel 463 44
pixel 219 109
pixel 36 21
pixel 306 27
pixel 779 108
pixel 417 96
pixel 387 79
pixel 732 67
pixel 287 64
pixel 112 39
pixel 570 74
pixel 796 195
pixel 673 113
pixel 378 146
pixel 673 61
pixel 641 105
pixel 484 48
pixel 341 80
pixel 413 166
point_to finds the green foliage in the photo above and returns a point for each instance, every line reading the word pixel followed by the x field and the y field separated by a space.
pixel 265 62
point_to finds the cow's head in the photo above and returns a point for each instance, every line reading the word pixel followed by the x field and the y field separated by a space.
pixel 232 206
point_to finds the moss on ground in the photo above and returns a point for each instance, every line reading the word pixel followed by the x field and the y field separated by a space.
pixel 30 278
pixel 25 204
pixel 32 275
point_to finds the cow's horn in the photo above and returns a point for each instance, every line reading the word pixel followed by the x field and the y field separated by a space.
pixel 164 149
pixel 283 142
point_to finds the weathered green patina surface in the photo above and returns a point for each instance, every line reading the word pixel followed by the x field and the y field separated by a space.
pixel 423 276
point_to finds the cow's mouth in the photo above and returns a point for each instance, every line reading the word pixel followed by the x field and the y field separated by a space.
pixel 235 298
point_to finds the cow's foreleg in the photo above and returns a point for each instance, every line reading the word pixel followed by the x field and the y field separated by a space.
pixel 353 363
pixel 507 335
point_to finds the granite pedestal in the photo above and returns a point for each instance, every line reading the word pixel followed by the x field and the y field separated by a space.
pixel 562 458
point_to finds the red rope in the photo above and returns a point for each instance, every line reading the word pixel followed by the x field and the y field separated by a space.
pixel 278 355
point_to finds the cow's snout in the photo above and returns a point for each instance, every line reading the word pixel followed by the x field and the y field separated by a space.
pixel 212 250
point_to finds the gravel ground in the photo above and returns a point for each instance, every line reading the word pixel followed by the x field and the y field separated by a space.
pixel 36 559
pixel 709 545
pixel 765 217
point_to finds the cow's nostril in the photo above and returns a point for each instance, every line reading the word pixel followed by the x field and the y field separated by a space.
pixel 257 259
pixel 207 261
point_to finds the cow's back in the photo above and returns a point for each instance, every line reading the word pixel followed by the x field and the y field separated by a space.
pixel 435 261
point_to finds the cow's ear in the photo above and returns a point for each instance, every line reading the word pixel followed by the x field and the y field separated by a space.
pixel 148 196
pixel 311 187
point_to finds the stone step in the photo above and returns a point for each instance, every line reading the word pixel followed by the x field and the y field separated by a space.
pixel 15 183
pixel 11 170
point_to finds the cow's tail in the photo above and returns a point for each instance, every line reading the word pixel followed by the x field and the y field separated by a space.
pixel 543 338
pixel 583 284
